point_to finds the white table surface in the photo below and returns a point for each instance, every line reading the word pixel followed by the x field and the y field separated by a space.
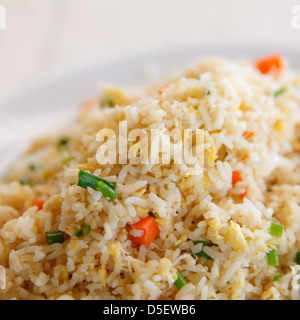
pixel 46 37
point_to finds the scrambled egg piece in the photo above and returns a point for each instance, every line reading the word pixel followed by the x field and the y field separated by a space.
pixel 165 270
pixel 102 274
pixel 235 236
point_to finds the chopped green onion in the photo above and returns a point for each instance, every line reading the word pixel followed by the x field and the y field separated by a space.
pixel 276 230
pixel 202 254
pixel 25 181
pixel 89 178
pixel 180 281
pixel 55 237
pixel 278 277
pixel 66 160
pixel 280 91
pixel 63 143
pixel 207 92
pixel 273 258
pixel 298 257
pixel 79 233
pixel 107 188
pixel 33 167
pixel 110 103
pixel 85 230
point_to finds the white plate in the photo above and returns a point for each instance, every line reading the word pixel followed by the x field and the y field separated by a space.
pixel 46 107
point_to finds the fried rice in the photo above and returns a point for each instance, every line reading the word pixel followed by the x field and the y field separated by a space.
pixel 215 228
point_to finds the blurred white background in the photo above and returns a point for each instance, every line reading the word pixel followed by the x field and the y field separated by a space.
pixel 46 37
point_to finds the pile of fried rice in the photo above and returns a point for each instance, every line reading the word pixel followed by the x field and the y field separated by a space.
pixel 215 228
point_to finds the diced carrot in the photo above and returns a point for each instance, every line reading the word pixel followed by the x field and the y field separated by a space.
pixel 236 177
pixel 38 202
pixel 162 90
pixel 242 195
pixel 248 134
pixel 150 228
pixel 271 64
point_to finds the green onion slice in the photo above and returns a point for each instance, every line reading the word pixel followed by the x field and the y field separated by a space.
pixel 278 277
pixel 202 254
pixel 63 143
pixel 25 181
pixel 79 233
pixel 298 257
pixel 110 103
pixel 273 258
pixel 107 188
pixel 276 230
pixel 66 160
pixel 55 237
pixel 85 230
pixel 33 167
pixel 180 281
pixel 280 91
pixel 89 178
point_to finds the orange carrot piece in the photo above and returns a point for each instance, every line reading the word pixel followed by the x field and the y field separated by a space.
pixel 38 202
pixel 248 134
pixel 150 228
pixel 236 177
pixel 271 64
pixel 164 87
pixel 243 195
